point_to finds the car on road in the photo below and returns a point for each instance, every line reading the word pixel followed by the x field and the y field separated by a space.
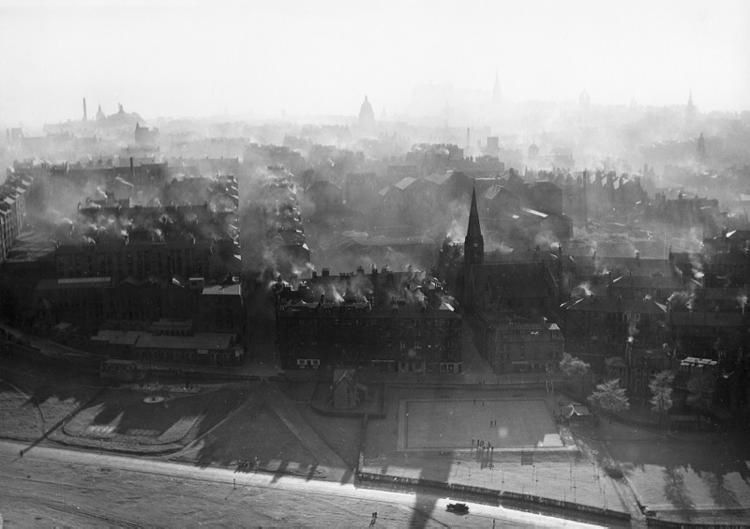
pixel 458 508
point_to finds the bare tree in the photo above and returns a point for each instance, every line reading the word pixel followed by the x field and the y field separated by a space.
pixel 661 393
pixel 609 396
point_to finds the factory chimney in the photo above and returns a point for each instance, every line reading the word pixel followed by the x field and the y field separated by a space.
pixel 85 115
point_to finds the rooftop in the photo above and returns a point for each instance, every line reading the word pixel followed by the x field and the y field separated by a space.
pixel 439 178
pixel 707 319
pixel 223 290
pixel 116 337
pixel 74 283
pixel 207 341
pixel 615 304
pixel 404 183
pixel 495 190
pixel 656 281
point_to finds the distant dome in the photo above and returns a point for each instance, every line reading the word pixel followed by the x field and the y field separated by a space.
pixel 366 116
pixel 584 100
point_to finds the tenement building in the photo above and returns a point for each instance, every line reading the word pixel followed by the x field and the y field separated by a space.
pixel 396 321
pixel 143 242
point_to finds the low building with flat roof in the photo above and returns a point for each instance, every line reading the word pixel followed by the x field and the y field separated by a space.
pixel 202 348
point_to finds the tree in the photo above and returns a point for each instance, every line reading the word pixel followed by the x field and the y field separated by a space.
pixel 661 392
pixel 573 367
pixel 609 396
pixel 701 385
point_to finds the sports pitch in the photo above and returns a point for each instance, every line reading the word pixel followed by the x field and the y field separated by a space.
pixel 441 424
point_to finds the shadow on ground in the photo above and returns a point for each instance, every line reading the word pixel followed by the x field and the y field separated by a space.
pixel 124 412
pixel 663 468
pixel 257 438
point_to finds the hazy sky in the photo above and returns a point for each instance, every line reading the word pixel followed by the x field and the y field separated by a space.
pixel 169 58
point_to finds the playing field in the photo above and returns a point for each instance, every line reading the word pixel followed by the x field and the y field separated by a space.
pixel 442 424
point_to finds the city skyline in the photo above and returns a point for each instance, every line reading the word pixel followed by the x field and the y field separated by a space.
pixel 335 263
pixel 286 59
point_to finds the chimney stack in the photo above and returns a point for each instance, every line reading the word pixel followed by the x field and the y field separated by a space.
pixel 132 170
pixel 85 115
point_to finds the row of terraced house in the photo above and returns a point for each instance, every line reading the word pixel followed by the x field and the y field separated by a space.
pixel 12 210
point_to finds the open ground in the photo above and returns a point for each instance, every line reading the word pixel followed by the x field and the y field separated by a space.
pixel 459 424
pixel 135 418
pixel 683 478
pixel 523 418
pixel 273 426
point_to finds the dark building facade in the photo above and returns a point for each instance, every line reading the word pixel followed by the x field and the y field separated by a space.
pixel 395 321
pixel 600 327
pixel 516 345
pixel 143 242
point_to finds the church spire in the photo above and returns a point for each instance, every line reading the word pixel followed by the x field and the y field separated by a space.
pixel 474 229
pixel 497 94
pixel 474 242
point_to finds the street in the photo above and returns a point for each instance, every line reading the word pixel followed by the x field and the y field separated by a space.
pixel 53 487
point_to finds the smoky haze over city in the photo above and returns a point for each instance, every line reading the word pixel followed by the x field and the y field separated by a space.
pixel 315 60
pixel 402 264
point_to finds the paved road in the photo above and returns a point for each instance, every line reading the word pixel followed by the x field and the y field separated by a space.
pixel 53 487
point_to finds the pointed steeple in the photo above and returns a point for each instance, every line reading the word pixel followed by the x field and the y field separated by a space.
pixel 474 229
pixel 474 242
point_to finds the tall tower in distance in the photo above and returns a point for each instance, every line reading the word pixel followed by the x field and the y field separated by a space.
pixel 701 148
pixel 474 242
pixel 497 94
pixel 85 114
